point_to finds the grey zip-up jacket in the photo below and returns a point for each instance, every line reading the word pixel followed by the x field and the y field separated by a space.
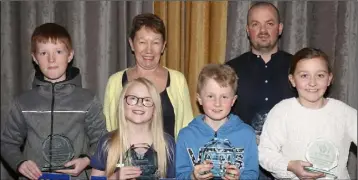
pixel 72 111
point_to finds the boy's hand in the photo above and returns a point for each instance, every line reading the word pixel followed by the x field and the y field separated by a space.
pixel 232 172
pixel 79 165
pixel 202 171
pixel 30 170
pixel 297 167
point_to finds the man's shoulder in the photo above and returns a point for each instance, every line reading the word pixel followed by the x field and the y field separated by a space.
pixel 286 54
pixel 239 59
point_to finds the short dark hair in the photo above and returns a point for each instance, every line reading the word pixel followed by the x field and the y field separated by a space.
pixel 50 32
pixel 148 20
pixel 263 4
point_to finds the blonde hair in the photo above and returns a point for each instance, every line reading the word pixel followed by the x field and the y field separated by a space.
pixel 118 143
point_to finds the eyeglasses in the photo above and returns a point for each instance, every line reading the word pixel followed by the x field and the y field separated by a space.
pixel 133 100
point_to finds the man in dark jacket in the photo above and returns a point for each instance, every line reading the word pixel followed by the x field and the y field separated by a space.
pixel 263 71
pixel 58 122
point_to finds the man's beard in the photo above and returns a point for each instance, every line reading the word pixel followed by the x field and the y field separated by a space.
pixel 265 46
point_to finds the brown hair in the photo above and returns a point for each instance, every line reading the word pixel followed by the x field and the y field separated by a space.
pixel 50 32
pixel 309 53
pixel 224 75
pixel 263 4
pixel 147 20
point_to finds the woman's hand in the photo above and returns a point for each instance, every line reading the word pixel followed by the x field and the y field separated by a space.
pixel 232 172
pixel 202 171
pixel 297 167
pixel 30 170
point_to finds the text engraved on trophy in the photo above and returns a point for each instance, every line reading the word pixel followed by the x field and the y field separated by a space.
pixel 57 150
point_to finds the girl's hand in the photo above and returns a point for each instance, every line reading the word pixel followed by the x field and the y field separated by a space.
pixel 202 171
pixel 297 167
pixel 127 172
pixel 232 172
pixel 30 170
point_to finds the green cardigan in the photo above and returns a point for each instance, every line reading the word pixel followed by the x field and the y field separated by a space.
pixel 178 93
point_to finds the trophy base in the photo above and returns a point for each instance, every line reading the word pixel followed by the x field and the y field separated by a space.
pixel 327 173
pixel 54 168
pixel 98 178
pixel 147 178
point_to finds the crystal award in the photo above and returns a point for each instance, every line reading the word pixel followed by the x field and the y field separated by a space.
pixel 144 156
pixel 323 155
pixel 220 152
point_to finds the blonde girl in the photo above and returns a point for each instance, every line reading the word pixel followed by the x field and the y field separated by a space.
pixel 139 116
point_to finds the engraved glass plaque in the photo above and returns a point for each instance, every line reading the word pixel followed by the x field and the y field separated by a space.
pixel 57 150
pixel 258 121
pixel 220 152
pixel 323 155
pixel 145 157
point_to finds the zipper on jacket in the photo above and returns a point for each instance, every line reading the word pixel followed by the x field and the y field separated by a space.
pixel 51 131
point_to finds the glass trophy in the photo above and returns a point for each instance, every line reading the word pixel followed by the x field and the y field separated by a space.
pixel 258 121
pixel 323 155
pixel 57 150
pixel 145 157
pixel 220 152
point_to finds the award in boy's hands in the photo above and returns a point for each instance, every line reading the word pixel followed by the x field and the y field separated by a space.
pixel 220 153
pixel 57 150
